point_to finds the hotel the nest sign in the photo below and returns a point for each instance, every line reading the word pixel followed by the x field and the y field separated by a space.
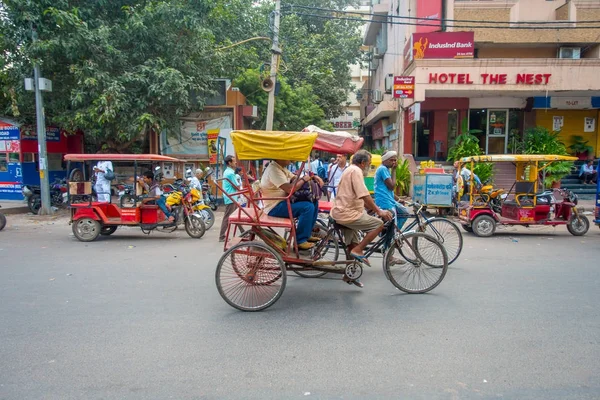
pixel 488 79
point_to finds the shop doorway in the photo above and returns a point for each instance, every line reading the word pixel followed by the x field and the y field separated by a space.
pixel 421 134
pixel 497 131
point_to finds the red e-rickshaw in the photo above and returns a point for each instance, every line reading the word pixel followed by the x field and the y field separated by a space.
pixel 90 218
pixel 251 274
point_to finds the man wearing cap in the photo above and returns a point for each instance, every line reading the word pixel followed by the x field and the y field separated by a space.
pixel 385 184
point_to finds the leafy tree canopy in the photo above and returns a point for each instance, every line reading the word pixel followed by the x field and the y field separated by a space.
pixel 121 68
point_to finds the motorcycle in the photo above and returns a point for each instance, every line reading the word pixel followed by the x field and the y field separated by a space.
pixel 2 220
pixel 209 199
pixel 181 204
pixel 33 193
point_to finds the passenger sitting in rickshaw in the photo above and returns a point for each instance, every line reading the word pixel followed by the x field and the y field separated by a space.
pixel 154 194
pixel 349 207
pixel 384 188
pixel 465 174
pixel 277 182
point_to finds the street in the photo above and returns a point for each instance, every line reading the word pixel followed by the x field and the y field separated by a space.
pixel 139 317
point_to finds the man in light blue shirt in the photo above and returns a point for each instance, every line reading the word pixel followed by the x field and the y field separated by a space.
pixel 229 181
pixel 384 188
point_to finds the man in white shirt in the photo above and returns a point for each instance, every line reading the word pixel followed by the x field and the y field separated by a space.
pixel 336 174
pixel 102 185
pixel 195 182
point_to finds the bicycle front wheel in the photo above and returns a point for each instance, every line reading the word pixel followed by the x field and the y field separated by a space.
pixel 416 263
pixel 448 234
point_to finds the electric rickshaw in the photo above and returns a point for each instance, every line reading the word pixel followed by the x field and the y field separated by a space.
pixel 259 249
pixel 90 218
pixel 524 204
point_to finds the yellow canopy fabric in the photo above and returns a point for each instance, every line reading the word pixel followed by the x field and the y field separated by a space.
pixel 517 158
pixel 258 145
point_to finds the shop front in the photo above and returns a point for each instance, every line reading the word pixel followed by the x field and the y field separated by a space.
pixel 496 101
pixel 19 157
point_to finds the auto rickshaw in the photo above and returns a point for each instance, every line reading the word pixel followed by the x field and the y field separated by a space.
pixel 523 205
pixel 91 218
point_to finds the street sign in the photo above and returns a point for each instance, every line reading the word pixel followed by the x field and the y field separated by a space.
pixel 404 87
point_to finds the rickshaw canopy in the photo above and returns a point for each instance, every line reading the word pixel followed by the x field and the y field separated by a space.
pixel 258 145
pixel 119 157
pixel 517 158
pixel 338 142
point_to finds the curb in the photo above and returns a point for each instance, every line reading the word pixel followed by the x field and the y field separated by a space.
pixel 15 210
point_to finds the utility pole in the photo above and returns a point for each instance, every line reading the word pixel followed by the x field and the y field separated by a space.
pixel 41 138
pixel 276 53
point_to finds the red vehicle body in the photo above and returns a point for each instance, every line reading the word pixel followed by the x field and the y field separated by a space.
pixel 91 218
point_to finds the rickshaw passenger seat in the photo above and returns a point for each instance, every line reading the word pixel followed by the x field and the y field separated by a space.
pixel 240 217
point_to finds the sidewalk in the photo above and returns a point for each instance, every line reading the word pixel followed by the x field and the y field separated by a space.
pixel 13 207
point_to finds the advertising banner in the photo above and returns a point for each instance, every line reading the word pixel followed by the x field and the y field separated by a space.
pixel 52 133
pixel 443 45
pixel 213 136
pixel 9 131
pixel 404 87
pixel 193 138
pixel 429 13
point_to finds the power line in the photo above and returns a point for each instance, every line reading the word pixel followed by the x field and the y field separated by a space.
pixel 437 25
pixel 331 10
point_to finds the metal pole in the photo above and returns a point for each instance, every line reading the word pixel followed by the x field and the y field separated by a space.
pixel 276 51
pixel 41 137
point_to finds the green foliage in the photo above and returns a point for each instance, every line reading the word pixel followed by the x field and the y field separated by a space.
pixel 295 109
pixel 581 146
pixel 380 151
pixel 124 68
pixel 467 145
pixel 403 178
pixel 540 140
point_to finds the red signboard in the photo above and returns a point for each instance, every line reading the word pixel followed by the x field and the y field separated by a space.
pixel 377 132
pixel 443 45
pixel 429 13
pixel 488 79
pixel 404 87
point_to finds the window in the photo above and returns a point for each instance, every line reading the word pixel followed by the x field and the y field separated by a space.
pixel 381 40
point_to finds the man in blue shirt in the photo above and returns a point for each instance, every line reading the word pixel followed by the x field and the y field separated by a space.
pixel 385 185
pixel 230 203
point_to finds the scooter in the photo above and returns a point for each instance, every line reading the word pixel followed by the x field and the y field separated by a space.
pixel 2 220
pixel 33 193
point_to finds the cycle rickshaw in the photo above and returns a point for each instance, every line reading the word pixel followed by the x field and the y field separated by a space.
pixel 251 274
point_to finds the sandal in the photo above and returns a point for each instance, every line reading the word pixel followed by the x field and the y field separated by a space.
pixel 355 282
pixel 361 258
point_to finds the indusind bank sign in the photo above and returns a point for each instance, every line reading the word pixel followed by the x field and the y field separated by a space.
pixel 443 45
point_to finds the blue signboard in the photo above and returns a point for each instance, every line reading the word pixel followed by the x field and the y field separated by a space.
pixel 8 131
pixel 433 189
pixel 11 182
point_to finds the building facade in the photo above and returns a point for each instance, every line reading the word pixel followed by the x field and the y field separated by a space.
pixel 489 77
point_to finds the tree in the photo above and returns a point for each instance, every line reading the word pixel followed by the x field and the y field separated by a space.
pixel 120 69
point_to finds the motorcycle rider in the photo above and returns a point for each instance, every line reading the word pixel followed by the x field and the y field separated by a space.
pixel 102 185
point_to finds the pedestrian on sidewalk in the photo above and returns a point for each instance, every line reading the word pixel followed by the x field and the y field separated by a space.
pixel 587 174
pixel 229 181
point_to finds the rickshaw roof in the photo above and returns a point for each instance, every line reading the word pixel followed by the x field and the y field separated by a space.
pixel 119 157
pixel 517 158
pixel 278 145
pixel 338 142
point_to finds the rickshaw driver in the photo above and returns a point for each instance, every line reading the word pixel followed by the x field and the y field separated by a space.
pixel 349 208
pixel 154 194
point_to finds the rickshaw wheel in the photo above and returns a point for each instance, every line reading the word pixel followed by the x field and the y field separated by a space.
pixel 86 229
pixel 194 226
pixel 250 276
pixel 329 252
pixel 108 230
pixel 423 265
pixel 484 226
pixel 577 228
pixel 2 221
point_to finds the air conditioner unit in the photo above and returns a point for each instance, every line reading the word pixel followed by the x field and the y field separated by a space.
pixel 572 53
pixel 377 96
pixel 389 83
pixel 377 53
pixel 374 64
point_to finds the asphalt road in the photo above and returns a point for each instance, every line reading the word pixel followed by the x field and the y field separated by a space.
pixel 139 317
